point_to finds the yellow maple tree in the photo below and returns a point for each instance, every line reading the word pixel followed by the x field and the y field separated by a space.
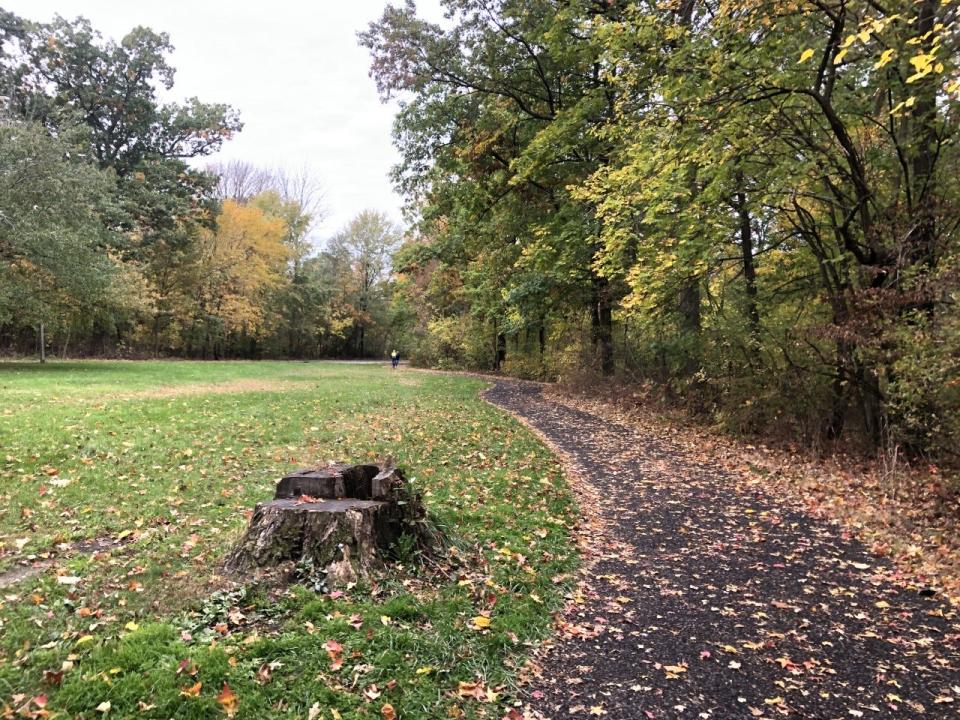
pixel 240 260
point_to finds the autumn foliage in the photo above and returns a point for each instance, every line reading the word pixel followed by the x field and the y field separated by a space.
pixel 750 205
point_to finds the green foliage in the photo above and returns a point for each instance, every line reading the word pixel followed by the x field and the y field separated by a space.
pixel 925 383
pixel 361 252
pixel 453 344
pixel 68 74
pixel 122 157
pixel 117 245
pixel 52 265
pixel 501 121
pixel 752 208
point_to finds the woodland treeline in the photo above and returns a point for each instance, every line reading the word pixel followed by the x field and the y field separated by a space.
pixel 748 204
pixel 113 242
pixel 745 205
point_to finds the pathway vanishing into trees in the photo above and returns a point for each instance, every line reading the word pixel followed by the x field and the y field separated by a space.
pixel 703 598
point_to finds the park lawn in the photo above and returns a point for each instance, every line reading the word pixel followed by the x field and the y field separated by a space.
pixel 164 460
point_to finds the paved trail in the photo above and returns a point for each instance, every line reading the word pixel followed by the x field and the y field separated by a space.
pixel 708 600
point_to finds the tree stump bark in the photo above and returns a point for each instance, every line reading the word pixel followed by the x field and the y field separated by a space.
pixel 339 520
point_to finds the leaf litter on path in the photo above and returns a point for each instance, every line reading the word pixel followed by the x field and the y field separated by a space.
pixel 704 597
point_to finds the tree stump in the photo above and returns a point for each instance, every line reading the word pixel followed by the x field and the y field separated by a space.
pixel 339 520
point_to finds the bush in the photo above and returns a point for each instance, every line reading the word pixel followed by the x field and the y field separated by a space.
pixel 924 388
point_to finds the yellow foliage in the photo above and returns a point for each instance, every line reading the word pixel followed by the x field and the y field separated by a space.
pixel 242 259
pixel 885 58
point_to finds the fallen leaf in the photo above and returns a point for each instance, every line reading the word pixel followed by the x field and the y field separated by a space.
pixel 335 651
pixel 228 700
pixel 263 674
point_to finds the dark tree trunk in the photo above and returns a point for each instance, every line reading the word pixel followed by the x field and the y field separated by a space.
pixel 689 306
pixel 601 325
pixel 839 392
pixel 749 270
pixel 872 405
pixel 923 149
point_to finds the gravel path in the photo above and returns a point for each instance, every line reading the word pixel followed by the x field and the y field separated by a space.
pixel 705 599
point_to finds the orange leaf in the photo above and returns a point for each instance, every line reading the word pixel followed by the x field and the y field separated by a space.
pixel 192 691
pixel 228 700
pixel 388 712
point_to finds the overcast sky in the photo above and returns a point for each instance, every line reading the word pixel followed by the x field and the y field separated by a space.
pixel 294 71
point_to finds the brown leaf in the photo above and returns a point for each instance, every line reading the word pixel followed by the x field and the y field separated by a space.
pixel 264 674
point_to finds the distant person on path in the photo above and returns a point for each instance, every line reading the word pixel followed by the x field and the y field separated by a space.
pixel 395 359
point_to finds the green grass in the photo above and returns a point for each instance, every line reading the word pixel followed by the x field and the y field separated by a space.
pixel 170 456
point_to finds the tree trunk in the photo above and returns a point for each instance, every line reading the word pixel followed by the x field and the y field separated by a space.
pixel 66 343
pixel 872 405
pixel 601 325
pixel 43 345
pixel 923 146
pixel 500 351
pixel 689 305
pixel 840 399
pixel 749 271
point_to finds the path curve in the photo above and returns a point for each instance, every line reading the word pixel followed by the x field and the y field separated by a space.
pixel 705 599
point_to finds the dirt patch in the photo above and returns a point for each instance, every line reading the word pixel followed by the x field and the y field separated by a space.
pixel 166 392
pixel 225 388
pixel 22 572
pixel 34 568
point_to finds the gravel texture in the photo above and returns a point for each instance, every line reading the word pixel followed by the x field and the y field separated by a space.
pixel 704 598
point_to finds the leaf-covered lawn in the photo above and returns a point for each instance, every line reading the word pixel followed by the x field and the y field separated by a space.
pixel 123 485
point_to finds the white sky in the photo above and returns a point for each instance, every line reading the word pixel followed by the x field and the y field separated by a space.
pixel 293 70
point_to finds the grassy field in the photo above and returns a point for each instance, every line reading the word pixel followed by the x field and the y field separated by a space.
pixel 122 486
